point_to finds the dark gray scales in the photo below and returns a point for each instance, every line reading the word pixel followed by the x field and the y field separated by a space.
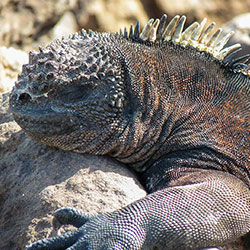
pixel 171 104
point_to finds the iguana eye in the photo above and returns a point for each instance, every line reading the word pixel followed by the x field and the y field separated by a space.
pixel 75 93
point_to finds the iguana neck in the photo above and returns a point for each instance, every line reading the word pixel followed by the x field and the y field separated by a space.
pixel 177 103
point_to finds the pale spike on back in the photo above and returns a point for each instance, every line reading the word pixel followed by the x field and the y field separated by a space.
pixel 194 35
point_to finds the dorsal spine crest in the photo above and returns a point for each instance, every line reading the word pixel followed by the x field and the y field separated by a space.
pixel 195 36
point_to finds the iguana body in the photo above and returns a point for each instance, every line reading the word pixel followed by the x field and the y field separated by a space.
pixel 173 105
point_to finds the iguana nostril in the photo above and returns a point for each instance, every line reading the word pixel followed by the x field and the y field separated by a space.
pixel 24 98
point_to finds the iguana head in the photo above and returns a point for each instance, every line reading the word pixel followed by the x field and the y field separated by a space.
pixel 72 94
pixel 97 93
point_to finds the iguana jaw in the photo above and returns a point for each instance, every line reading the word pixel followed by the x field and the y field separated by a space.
pixel 32 123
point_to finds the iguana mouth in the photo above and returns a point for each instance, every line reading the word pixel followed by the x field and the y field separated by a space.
pixel 32 122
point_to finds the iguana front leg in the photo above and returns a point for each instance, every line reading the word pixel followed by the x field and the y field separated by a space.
pixel 208 213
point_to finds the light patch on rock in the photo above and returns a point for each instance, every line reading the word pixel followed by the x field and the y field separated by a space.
pixel 240 25
pixel 65 26
pixel 11 61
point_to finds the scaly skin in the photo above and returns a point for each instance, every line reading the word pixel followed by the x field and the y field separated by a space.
pixel 176 115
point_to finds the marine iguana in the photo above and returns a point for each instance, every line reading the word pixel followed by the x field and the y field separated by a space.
pixel 173 105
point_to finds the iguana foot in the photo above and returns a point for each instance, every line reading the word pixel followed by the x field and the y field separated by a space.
pixel 94 232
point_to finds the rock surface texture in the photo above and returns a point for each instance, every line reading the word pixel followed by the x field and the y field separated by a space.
pixel 100 15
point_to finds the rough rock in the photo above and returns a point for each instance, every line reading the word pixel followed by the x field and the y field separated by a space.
pixel 103 15
pixel 35 180
pixel 24 21
pixel 11 61
pixel 27 24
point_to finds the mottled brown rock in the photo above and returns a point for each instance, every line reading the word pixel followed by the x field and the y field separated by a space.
pixel 218 11
pixel 27 24
pixel 35 180
pixel 25 21
pixel 102 15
